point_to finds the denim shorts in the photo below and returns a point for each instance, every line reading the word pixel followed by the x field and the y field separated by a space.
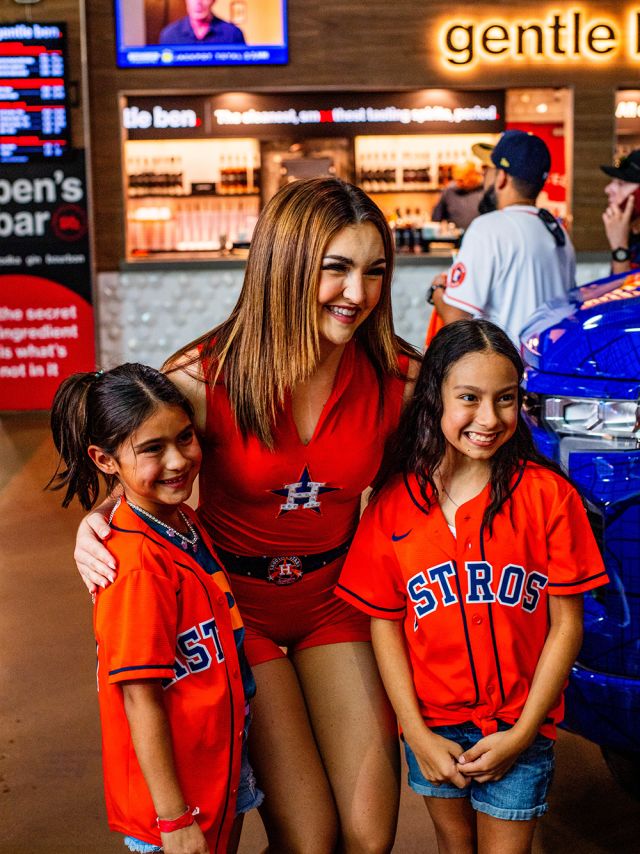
pixel 249 797
pixel 519 796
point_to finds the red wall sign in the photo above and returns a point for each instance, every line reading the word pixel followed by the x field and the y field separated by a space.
pixel 46 317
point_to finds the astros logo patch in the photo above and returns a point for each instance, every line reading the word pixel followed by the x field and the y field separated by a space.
pixel 284 570
pixel 457 275
pixel 303 494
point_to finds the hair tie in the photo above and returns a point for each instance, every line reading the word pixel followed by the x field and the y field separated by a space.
pixel 98 373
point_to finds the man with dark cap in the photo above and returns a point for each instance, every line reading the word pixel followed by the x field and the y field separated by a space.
pixel 515 258
pixel 622 216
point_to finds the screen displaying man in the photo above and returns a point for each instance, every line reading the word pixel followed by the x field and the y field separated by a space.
pixel 201 26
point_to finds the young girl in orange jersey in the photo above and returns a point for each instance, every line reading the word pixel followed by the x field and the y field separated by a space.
pixel 172 680
pixel 471 560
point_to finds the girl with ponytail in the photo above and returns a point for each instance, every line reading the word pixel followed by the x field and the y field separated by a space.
pixel 173 682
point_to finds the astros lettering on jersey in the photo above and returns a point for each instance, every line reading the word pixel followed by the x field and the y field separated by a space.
pixel 474 606
pixel 165 618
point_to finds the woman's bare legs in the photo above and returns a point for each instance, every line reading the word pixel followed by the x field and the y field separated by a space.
pixel 357 736
pixel 298 812
pixel 323 743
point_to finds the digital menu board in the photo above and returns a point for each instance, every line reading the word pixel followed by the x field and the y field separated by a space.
pixel 34 120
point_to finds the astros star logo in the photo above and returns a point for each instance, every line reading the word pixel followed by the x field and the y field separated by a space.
pixel 302 494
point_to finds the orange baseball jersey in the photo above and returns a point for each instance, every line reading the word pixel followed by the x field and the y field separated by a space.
pixel 166 618
pixel 474 606
pixel 299 498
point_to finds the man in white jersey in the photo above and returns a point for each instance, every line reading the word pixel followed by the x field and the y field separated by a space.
pixel 515 258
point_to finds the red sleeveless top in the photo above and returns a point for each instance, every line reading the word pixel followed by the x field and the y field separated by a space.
pixel 298 498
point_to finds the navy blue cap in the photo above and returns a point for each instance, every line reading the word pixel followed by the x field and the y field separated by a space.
pixel 523 155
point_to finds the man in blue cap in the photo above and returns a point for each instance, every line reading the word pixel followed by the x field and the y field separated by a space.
pixel 515 258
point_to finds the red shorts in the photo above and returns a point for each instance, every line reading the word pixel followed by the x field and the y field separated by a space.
pixel 297 616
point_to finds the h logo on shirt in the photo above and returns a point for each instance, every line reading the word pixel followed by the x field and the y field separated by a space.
pixel 303 494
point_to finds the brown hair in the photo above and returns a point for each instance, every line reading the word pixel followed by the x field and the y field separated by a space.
pixel 270 342
pixel 103 409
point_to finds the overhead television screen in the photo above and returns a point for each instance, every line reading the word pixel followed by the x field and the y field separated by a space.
pixel 169 33
pixel 34 121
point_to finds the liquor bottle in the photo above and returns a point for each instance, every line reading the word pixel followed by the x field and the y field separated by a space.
pixel 132 178
pixel 244 175
pixel 399 229
pixel 223 178
pixel 418 220
pixel 366 175
pixel 408 172
pixel 409 232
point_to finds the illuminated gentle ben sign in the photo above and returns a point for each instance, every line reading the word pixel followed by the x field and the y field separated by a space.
pixel 561 36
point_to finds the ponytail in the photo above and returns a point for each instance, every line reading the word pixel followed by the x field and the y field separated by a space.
pixel 72 437
pixel 103 409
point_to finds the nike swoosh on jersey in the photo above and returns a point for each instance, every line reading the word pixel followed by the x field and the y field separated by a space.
pixel 396 537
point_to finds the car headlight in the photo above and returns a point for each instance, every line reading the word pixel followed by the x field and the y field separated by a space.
pixel 585 417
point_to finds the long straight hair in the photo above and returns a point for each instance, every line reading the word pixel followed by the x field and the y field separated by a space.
pixel 418 446
pixel 271 342
pixel 103 409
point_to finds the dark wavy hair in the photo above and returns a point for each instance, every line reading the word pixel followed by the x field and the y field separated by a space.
pixel 418 446
pixel 103 409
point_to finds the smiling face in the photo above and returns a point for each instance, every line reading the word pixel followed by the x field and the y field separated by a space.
pixel 353 268
pixel 158 463
pixel 480 406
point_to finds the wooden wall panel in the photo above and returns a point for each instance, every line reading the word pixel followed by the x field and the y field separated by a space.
pixel 354 44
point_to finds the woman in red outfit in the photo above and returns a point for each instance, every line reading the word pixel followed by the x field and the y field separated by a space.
pixel 294 397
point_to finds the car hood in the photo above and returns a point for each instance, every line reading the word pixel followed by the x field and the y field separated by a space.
pixel 594 333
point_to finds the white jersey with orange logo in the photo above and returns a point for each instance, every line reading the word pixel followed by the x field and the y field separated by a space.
pixel 508 265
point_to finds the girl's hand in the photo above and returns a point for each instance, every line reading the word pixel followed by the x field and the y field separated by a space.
pixel 617 223
pixel 95 563
pixel 438 759
pixel 187 840
pixel 492 756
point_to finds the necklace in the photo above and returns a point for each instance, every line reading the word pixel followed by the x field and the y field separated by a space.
pixel 444 489
pixel 185 541
pixel 455 503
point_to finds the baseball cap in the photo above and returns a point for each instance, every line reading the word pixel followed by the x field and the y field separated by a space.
pixel 482 151
pixel 628 169
pixel 523 155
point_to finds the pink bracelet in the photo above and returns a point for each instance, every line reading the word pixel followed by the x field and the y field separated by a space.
pixel 185 820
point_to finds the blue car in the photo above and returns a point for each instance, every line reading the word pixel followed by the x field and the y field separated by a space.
pixel 582 402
